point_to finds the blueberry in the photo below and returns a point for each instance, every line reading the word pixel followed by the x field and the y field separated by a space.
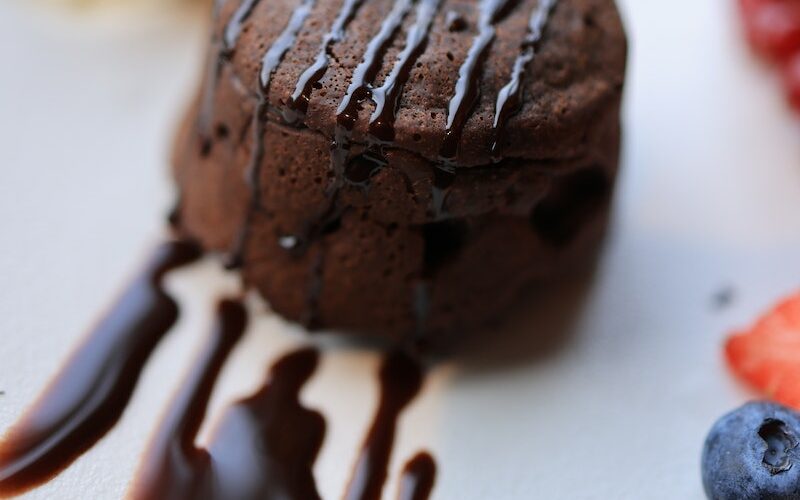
pixel 753 453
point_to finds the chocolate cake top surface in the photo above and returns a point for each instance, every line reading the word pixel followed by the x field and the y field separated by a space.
pixel 460 81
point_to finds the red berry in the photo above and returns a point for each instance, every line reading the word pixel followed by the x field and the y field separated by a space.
pixel 767 356
pixel 772 26
pixel 791 80
pixel 750 6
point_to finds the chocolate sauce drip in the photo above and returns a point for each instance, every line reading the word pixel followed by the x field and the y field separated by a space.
pixel 221 52
pixel 509 97
pixel 92 389
pixel 346 117
pixel 234 27
pixel 174 467
pixel 263 447
pixel 387 96
pixel 418 477
pixel 214 65
pixel 359 172
pixel 367 69
pixel 386 99
pixel 401 380
pixel 297 104
pixel 269 64
pixel 467 91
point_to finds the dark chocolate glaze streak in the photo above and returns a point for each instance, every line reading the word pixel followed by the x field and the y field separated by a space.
pixel 387 96
pixel 234 27
pixel 269 63
pixel 264 446
pixel 91 391
pixel 466 97
pixel 416 481
pixel 510 96
pixel 466 89
pixel 359 90
pixel 221 52
pixel 297 104
pixel 360 83
pixel 382 123
pixel 401 379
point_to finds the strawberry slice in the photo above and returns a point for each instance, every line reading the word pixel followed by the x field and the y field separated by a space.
pixel 772 26
pixel 767 356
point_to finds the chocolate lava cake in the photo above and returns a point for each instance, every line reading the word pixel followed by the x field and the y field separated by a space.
pixel 403 168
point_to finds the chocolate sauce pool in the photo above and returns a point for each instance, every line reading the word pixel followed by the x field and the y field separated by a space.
pixel 263 446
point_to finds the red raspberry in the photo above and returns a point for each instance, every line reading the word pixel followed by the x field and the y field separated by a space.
pixel 767 356
pixel 772 26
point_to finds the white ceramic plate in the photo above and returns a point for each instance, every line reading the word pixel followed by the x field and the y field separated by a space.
pixel 617 407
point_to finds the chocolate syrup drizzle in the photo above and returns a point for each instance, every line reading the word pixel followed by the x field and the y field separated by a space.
pixel 509 97
pixel 382 121
pixel 269 64
pixel 92 389
pixel 297 105
pixel 416 481
pixel 263 447
pixel 359 89
pixel 387 96
pixel 360 83
pixel 233 29
pixel 172 468
pixel 222 51
pixel 467 90
pixel 465 98
pixel 401 379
